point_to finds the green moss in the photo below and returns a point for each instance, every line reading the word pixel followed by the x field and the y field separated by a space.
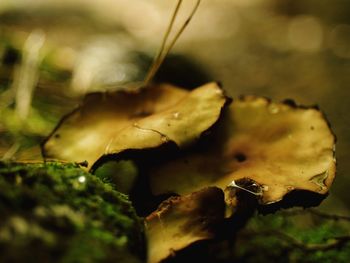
pixel 59 213
pixel 286 237
pixel 121 174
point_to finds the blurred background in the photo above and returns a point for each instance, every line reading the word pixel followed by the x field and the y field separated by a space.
pixel 52 52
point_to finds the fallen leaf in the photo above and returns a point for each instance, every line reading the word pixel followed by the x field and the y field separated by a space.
pixel 182 221
pixel 278 146
pixel 110 123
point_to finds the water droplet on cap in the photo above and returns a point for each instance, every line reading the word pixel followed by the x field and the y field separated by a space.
pixel 273 109
pixel 176 115
pixel 264 188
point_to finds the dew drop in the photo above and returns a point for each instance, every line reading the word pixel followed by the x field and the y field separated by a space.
pixel 176 115
pixel 219 92
pixel 290 188
pixel 273 109
pixel 264 188
pixel 81 179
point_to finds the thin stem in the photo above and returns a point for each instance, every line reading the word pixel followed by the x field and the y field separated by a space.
pixel 11 152
pixel 316 213
pixel 150 73
pixel 162 55
pixel 329 244
pixel 178 34
pixel 329 216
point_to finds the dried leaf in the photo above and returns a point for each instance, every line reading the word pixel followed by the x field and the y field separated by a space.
pixel 279 146
pixel 108 124
pixel 182 221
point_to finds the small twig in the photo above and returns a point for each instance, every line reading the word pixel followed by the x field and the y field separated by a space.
pixel 164 51
pixel 331 243
pixel 11 151
pixel 329 216
pixel 316 213
pixel 164 41
pixel 27 75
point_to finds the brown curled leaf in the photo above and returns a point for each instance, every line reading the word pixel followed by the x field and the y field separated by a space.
pixel 279 146
pixel 182 221
pixel 109 123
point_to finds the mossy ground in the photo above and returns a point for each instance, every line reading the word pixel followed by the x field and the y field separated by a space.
pixel 59 213
pixel 291 237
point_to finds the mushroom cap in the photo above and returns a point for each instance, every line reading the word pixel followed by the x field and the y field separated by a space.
pixel 107 124
pixel 279 146
pixel 183 220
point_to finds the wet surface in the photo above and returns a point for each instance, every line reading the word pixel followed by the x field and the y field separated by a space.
pixel 278 49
